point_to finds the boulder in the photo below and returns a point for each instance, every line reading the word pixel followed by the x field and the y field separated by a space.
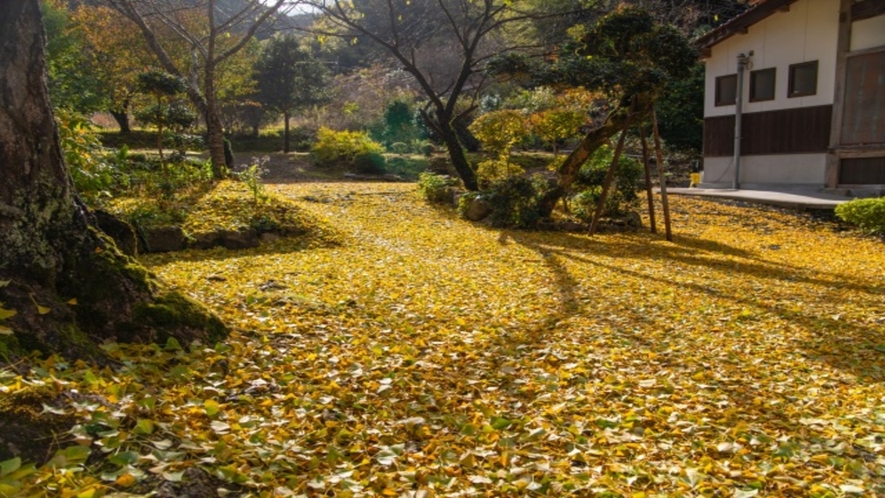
pixel 478 209
pixel 268 237
pixel 117 229
pixel 239 239
pixel 571 226
pixel 205 240
pixel 164 239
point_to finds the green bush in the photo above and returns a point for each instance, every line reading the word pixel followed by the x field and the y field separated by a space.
pixel 407 167
pixel 867 214
pixel 369 163
pixel 333 147
pixel 436 189
pixel 93 174
pixel 627 182
pixel 514 201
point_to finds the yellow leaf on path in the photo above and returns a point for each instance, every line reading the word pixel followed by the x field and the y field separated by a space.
pixel 125 480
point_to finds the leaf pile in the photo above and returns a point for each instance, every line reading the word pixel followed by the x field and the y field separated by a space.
pixel 225 206
pixel 426 356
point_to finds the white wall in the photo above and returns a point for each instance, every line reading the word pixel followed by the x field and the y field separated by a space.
pixel 768 170
pixel 807 32
pixel 868 33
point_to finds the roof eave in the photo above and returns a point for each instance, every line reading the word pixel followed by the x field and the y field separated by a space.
pixel 741 24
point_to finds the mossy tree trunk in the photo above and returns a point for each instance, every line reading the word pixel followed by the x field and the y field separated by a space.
pixel 69 285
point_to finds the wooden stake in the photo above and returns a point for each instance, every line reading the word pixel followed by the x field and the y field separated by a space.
pixel 664 203
pixel 607 183
pixel 649 194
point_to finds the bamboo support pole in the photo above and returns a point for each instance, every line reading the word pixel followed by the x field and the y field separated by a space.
pixel 659 156
pixel 606 185
pixel 648 190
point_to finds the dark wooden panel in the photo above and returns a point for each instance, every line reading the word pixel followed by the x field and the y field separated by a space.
pixel 865 171
pixel 866 9
pixel 719 136
pixel 863 119
pixel 786 131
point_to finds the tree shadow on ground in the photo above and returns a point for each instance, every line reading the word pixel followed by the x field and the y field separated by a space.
pixel 837 342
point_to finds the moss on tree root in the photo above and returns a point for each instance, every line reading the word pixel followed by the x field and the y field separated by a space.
pixel 102 295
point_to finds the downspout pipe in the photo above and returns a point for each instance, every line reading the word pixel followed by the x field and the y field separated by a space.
pixel 742 61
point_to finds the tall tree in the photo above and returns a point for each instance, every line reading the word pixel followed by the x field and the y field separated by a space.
pixel 64 286
pixel 419 35
pixel 629 57
pixel 74 81
pixel 289 79
pixel 215 37
pixel 120 54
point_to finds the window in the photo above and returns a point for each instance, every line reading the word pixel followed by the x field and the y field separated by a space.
pixel 803 79
pixel 762 85
pixel 726 89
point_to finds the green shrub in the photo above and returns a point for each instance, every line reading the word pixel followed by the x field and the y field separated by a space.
pixel 493 170
pixel 867 214
pixel 436 189
pixel 400 148
pixel 514 201
pixel 627 182
pixel 425 147
pixel 93 175
pixel 407 167
pixel 369 163
pixel 334 147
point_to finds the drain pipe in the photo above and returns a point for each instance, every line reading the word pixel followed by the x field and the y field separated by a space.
pixel 742 61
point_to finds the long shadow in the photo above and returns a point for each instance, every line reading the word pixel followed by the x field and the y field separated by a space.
pixel 838 342
pixel 689 250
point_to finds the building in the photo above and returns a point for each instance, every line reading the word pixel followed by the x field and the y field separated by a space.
pixel 804 83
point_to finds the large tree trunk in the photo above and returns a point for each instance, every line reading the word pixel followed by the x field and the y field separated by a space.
pixel 122 119
pixel 214 127
pixel 443 129
pixel 70 286
pixel 459 159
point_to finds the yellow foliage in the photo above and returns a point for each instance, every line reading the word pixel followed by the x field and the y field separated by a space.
pixel 428 354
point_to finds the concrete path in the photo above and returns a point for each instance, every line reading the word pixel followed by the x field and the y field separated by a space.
pixel 796 200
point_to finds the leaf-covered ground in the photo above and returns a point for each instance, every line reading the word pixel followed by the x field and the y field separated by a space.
pixel 427 356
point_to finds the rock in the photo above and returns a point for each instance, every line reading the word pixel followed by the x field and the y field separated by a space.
pixel 204 240
pixel 240 239
pixel 546 225
pixel 571 226
pixel 268 237
pixel 117 229
pixel 633 219
pixel 478 209
pixel 164 239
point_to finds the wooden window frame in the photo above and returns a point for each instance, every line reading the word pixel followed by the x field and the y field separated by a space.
pixel 718 98
pixel 792 79
pixel 772 70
